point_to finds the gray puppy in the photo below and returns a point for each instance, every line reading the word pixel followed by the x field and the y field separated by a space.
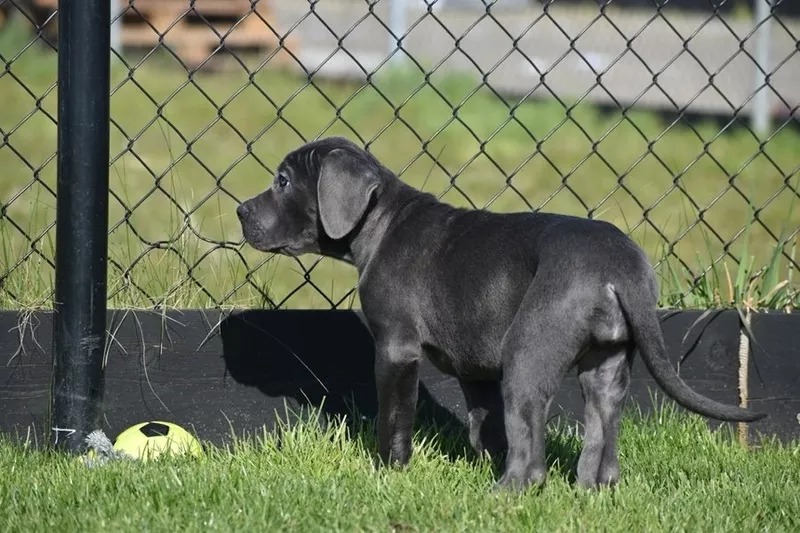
pixel 507 303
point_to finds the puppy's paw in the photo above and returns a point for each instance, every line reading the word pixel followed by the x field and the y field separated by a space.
pixel 519 481
pixel 382 461
pixel 596 484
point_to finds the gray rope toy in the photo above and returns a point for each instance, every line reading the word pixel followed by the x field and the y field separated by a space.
pixel 103 449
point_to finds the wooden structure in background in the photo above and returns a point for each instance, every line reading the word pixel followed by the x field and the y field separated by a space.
pixel 193 32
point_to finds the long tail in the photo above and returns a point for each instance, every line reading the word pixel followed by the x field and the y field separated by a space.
pixel 641 316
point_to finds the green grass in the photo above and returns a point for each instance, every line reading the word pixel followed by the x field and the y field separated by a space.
pixel 164 252
pixel 677 476
pixel 746 286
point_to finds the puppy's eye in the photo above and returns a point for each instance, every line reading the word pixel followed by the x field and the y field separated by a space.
pixel 283 181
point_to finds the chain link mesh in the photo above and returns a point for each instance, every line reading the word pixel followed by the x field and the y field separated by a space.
pixel 637 113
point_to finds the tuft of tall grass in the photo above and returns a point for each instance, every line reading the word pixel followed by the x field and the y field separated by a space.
pixel 772 286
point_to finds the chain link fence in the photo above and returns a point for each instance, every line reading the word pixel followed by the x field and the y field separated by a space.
pixel 678 125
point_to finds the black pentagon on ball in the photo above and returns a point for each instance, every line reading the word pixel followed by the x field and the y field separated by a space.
pixel 154 429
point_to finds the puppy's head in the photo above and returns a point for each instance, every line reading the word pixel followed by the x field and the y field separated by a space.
pixel 320 193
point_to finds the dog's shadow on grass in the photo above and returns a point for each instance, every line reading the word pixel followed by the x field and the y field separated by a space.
pixel 323 361
pixel 318 360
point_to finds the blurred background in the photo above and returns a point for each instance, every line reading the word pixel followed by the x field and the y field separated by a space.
pixel 675 120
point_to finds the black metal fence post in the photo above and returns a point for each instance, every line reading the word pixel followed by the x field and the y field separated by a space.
pixel 81 219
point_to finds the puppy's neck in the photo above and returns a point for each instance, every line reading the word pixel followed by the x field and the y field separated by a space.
pixel 393 203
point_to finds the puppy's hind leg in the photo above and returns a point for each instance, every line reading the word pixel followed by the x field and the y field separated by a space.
pixel 604 375
pixel 539 348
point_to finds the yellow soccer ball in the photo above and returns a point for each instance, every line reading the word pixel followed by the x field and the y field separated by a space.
pixel 149 440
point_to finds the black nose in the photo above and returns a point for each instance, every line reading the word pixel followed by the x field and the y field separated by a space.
pixel 242 210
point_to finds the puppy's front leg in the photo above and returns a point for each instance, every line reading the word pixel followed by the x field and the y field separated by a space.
pixel 397 379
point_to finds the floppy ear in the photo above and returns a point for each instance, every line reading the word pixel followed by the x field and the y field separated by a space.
pixel 345 185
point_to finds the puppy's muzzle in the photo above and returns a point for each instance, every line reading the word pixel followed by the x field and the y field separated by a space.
pixel 242 211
